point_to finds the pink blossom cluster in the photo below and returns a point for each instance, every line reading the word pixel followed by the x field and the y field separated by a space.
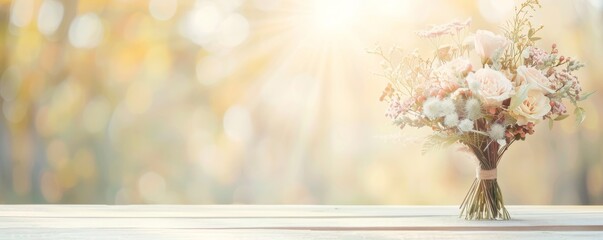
pixel 537 56
pixel 450 28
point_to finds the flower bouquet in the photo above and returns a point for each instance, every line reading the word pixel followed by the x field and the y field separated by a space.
pixel 482 90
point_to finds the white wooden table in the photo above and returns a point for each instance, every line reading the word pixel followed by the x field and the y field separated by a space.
pixel 216 222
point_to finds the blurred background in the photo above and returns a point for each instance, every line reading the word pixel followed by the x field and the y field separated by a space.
pixel 258 102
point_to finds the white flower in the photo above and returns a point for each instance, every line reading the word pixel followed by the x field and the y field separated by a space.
pixel 491 86
pixel 451 120
pixel 432 108
pixel 535 78
pixel 473 109
pixel 488 44
pixel 533 108
pixel 466 125
pixel 497 131
pixel 448 107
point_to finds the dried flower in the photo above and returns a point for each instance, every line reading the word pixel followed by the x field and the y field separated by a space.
pixel 394 109
pixel 497 131
pixel 432 108
pixel 473 109
pixel 451 120
pixel 448 106
pixel 466 125
pixel 451 28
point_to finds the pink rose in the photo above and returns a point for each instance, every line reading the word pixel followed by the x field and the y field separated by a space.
pixel 535 78
pixel 490 85
pixel 487 44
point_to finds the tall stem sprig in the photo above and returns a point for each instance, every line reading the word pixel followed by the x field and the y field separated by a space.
pixel 404 75
pixel 515 31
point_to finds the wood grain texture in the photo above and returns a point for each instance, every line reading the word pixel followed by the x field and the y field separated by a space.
pixel 291 222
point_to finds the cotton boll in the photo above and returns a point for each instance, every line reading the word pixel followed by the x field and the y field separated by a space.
pixel 497 131
pixel 466 125
pixel 451 120
pixel 473 109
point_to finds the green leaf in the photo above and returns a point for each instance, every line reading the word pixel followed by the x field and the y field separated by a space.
pixel 551 123
pixel 398 121
pixel 561 117
pixel 521 95
pixel 534 39
pixel 580 115
pixel 508 119
pixel 585 96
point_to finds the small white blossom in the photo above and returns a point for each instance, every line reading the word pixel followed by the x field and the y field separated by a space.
pixel 501 142
pixel 473 109
pixel 497 132
pixel 451 120
pixel 466 125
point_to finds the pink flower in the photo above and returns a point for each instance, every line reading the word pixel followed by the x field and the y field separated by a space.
pixel 487 44
pixel 451 72
pixel 445 29
pixel 490 85
pixel 533 76
pixel 461 65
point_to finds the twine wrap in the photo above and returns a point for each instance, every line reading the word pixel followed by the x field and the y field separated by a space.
pixel 483 174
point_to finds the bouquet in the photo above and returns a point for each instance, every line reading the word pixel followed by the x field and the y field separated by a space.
pixel 483 90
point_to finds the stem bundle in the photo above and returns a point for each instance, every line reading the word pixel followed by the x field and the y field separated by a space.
pixel 484 201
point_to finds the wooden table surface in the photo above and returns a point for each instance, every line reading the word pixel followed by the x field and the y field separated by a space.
pixel 216 222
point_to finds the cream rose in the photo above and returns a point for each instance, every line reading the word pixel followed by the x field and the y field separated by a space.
pixel 533 108
pixel 487 43
pixel 491 86
pixel 535 78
